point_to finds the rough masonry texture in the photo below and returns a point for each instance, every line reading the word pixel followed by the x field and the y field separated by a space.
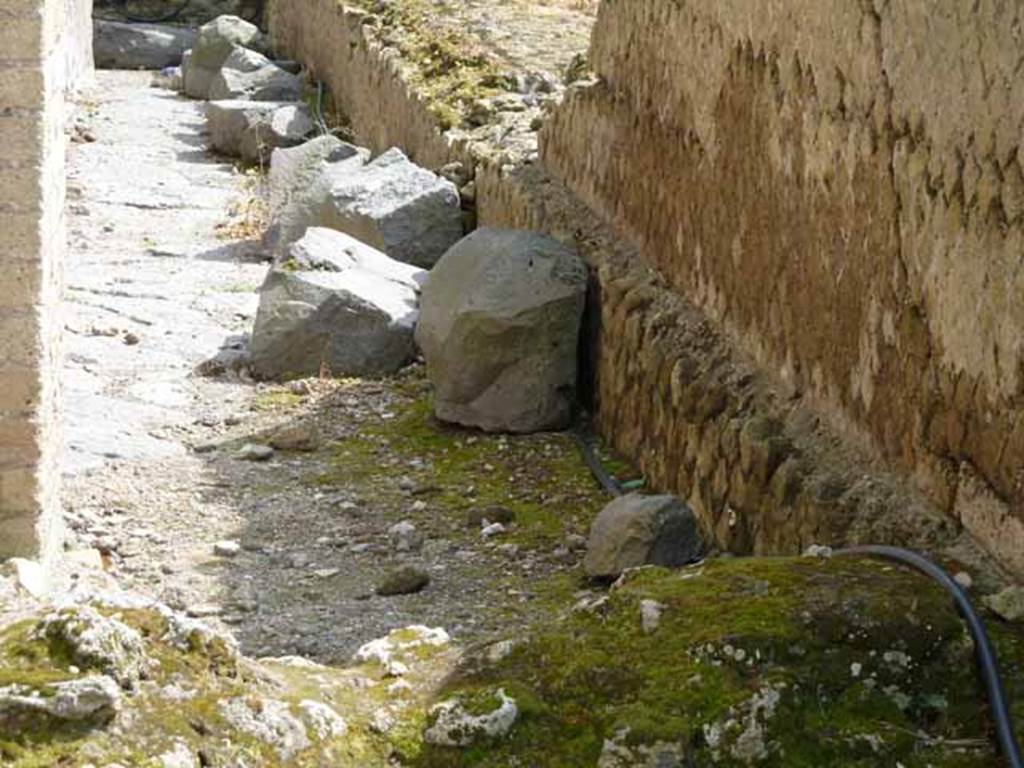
pixel 839 187
pixel 806 252
pixel 45 46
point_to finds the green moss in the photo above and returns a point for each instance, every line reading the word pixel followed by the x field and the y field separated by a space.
pixel 541 478
pixel 276 399
pixel 443 65
pixel 869 658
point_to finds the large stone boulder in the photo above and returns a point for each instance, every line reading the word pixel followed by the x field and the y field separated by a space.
pixel 117 45
pixel 396 206
pixel 251 130
pixel 266 83
pixel 298 184
pixel 499 326
pixel 214 44
pixel 335 304
pixel 636 530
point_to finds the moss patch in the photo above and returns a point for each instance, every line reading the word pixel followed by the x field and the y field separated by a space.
pixel 750 657
pixel 448 69
pixel 541 478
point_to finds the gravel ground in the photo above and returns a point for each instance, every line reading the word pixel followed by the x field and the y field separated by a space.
pixel 156 474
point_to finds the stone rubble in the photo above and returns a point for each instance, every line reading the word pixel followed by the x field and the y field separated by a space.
pixel 253 130
pixel 351 311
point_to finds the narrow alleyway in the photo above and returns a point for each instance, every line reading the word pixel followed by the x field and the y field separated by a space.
pixel 154 450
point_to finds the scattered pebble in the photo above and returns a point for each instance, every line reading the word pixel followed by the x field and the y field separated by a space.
pixel 405 580
pixel 494 529
pixel 650 615
pixel 1007 604
pixel 963 579
pixel 255 452
pixel 227 548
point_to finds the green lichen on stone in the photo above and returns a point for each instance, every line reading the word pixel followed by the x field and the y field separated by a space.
pixel 750 658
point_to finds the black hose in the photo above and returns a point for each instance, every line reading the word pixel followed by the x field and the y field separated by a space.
pixel 985 654
pixel 988 662
pixel 585 440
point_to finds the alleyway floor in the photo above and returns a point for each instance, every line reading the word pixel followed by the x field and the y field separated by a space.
pixel 155 474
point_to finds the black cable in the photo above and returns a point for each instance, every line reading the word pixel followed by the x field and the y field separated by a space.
pixel 985 654
pixel 585 440
pixel 988 662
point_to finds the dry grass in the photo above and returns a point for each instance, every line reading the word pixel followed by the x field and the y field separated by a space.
pixel 249 215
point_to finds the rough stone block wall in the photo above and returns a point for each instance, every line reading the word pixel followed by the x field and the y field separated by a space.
pixel 837 185
pixel 365 79
pixel 45 46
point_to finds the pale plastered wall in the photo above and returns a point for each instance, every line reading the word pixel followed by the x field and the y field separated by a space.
pixel 45 48
pixel 836 183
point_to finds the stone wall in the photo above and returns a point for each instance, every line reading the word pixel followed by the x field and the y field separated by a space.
pixel 837 185
pixel 679 385
pixel 45 46
pixel 363 75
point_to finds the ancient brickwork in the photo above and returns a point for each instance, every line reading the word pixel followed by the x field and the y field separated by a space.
pixel 44 48
pixel 839 188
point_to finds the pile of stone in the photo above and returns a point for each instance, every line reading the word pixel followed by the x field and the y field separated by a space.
pixel 255 102
pixel 351 235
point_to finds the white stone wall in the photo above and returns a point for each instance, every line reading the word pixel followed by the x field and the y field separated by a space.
pixel 45 48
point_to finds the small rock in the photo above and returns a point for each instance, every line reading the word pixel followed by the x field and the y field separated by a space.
pixel 963 579
pixel 382 721
pixel 818 550
pixel 322 719
pixel 255 452
pixel 475 517
pixel 99 642
pixel 299 437
pixel 28 575
pixel 575 543
pixel 454 726
pixel 1007 604
pixel 405 538
pixel 403 581
pixel 299 387
pixel 269 721
pixel 227 548
pixel 203 610
pixel 94 699
pixel 636 530
pixel 494 529
pixel 650 615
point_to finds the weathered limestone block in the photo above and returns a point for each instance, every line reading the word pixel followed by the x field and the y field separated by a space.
pixel 499 326
pixel 215 42
pixel 267 83
pixel 252 130
pixel 406 211
pixel 139 46
pixel 335 305
pixel 299 182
